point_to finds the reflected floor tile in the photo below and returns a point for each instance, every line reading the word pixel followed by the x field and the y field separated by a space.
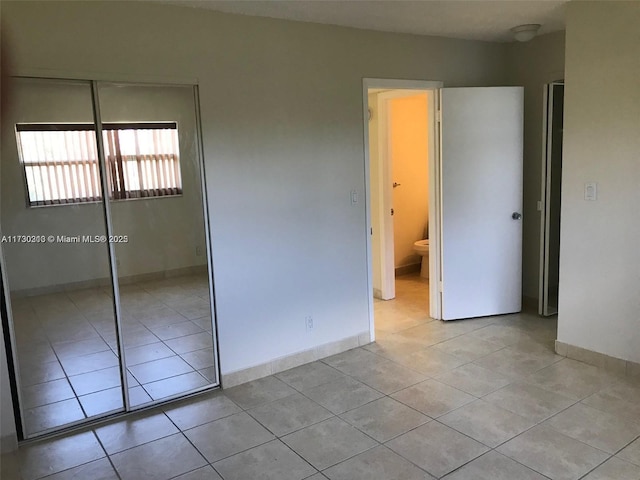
pixel 175 330
pixel 190 343
pixel 138 396
pixel 328 443
pixel 66 350
pixel 494 466
pixel 175 385
pixel 53 415
pixel 271 461
pixel 89 363
pixel 147 353
pixel 160 369
pixel 199 359
pixel 230 435
pixel 160 459
pixel 201 410
pixel 553 454
pixel 96 381
pixel 385 419
pixel 379 463
pixel 436 448
pixel 44 393
pixel 53 456
pixel 102 402
pixel 39 372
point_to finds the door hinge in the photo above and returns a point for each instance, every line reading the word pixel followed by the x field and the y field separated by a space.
pixel 439 116
pixel 440 286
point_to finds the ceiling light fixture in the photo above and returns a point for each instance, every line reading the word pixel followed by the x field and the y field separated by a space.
pixel 524 33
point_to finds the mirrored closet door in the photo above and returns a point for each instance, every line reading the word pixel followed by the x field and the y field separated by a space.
pixel 110 303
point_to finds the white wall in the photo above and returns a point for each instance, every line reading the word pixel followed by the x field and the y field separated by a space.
pixel 599 259
pixel 408 131
pixel 283 135
pixel 163 232
pixel 532 65
pixel 375 199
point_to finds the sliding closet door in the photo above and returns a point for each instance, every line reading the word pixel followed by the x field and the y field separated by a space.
pixel 155 180
pixel 63 328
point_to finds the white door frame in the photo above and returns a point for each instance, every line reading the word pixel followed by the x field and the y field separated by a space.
pixel 545 195
pixel 385 188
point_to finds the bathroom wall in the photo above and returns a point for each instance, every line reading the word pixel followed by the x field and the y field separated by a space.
pixel 408 122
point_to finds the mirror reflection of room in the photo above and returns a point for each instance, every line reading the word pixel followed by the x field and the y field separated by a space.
pixel 68 344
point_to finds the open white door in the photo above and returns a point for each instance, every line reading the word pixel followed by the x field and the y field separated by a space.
pixel 481 201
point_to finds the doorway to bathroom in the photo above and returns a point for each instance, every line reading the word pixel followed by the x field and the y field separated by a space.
pixel 474 143
pixel 399 151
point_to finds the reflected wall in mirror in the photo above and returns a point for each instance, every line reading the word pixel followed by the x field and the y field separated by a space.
pixel 79 334
pixel 64 328
pixel 151 148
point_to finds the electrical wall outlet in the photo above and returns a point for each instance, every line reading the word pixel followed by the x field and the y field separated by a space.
pixel 308 322
pixel 198 251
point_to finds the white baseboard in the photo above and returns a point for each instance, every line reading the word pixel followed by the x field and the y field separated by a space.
pixel 294 360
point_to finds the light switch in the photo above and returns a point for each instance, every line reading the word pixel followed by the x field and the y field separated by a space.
pixel 354 197
pixel 591 191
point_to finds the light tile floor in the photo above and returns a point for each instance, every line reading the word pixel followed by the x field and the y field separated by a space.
pixel 68 356
pixel 481 399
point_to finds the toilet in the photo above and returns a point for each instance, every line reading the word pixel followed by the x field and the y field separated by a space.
pixel 421 247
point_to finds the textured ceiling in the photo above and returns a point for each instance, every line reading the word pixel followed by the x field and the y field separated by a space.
pixel 468 19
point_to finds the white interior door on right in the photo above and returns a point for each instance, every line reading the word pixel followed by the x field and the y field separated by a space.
pixel 481 201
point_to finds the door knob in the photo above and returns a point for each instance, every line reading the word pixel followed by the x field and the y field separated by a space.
pixel 516 216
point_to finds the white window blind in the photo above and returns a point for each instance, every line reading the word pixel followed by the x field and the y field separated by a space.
pixel 61 163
